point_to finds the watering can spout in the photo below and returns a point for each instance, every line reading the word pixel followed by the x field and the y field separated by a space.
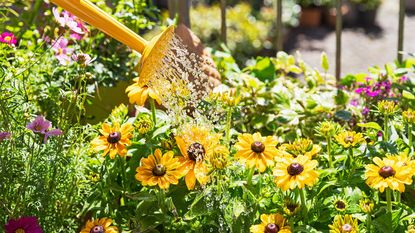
pixel 93 15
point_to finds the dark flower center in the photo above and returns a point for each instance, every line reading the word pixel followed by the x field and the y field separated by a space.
pixel 347 228
pixel 97 229
pixel 292 207
pixel 348 139
pixel 196 151
pixel 159 170
pixel 386 171
pixel 340 205
pixel 114 137
pixel 271 228
pixel 257 147
pixel 295 169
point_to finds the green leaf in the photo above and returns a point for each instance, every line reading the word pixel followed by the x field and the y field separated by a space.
pixel 324 61
pixel 161 130
pixel 383 223
pixel 343 115
pixel 371 125
pixel 408 95
pixel 264 69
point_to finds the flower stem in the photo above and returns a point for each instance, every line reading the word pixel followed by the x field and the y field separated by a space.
pixel 303 203
pixel 228 125
pixel 351 155
pixel 153 110
pixel 385 129
pixel 389 199
pixel 329 152
pixel 410 136
pixel 250 174
pixel 368 222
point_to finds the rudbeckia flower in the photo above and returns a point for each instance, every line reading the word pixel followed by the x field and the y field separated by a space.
pixel 350 139
pixel 114 139
pixel 160 169
pixel 196 144
pixel 344 224
pixel 102 225
pixel 295 172
pixel 256 151
pixel 138 94
pixel 271 223
pixel 388 173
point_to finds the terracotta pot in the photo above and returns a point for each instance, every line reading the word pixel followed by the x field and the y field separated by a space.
pixel 410 5
pixel 349 14
pixel 310 17
pixel 367 17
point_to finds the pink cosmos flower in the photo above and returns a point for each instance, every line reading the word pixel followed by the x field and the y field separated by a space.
pixel 62 52
pixel 23 224
pixel 67 19
pixel 41 126
pixel 82 58
pixel 4 136
pixel 8 38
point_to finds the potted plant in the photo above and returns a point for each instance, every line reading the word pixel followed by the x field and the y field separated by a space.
pixel 311 12
pixel 349 14
pixel 410 5
pixel 367 11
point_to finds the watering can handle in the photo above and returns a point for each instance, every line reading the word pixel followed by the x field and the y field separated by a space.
pixel 93 15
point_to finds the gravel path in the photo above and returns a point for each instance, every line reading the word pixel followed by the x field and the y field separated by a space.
pixel 361 48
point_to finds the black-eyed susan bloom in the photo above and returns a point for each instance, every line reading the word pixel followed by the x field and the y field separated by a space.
pixel 138 94
pixel 403 159
pixel 271 223
pixel 102 225
pixel 344 224
pixel 196 144
pixel 349 139
pixel 114 139
pixel 291 172
pixel 160 169
pixel 256 151
pixel 388 173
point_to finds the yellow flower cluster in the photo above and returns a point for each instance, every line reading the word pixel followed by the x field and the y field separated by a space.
pixel 387 107
pixel 408 116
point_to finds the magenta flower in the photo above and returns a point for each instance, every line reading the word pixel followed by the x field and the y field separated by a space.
pixel 23 224
pixel 62 52
pixel 82 58
pixel 41 126
pixel 4 136
pixel 8 38
pixel 365 111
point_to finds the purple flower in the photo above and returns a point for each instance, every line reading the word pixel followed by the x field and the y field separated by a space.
pixel 52 132
pixel 23 224
pixel 62 52
pixel 365 111
pixel 82 58
pixel 41 126
pixel 354 102
pixel 8 38
pixel 4 136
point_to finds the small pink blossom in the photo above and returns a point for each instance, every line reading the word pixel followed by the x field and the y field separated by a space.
pixel 41 126
pixel 8 38
pixel 62 52
pixel 82 58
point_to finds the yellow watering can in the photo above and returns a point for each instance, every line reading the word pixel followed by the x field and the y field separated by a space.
pixel 152 51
